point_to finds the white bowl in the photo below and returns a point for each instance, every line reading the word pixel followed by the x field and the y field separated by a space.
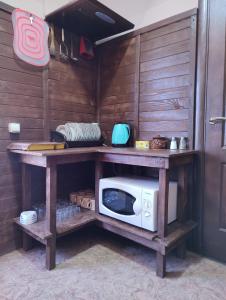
pixel 28 217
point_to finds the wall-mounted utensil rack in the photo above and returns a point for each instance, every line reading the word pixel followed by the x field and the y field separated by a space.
pixel 89 18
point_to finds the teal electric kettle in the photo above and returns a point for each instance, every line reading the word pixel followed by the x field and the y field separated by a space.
pixel 120 135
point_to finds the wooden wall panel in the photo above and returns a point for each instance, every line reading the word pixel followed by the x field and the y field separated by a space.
pixel 39 100
pixel 147 79
pixel 72 98
pixel 21 100
pixel 71 87
pixel 117 84
pixel 167 76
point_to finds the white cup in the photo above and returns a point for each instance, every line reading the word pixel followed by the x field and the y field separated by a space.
pixel 173 144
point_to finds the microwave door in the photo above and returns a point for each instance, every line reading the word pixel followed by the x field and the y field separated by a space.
pixel 121 203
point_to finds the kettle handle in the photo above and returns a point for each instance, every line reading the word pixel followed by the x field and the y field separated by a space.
pixel 128 128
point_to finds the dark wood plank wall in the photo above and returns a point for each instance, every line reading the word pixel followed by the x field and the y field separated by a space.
pixel 137 83
pixel 167 81
pixel 163 102
pixel 71 87
pixel 39 100
pixel 72 98
pixel 21 100
pixel 117 84
pixel 71 93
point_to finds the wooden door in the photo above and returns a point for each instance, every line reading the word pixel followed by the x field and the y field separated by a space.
pixel 214 225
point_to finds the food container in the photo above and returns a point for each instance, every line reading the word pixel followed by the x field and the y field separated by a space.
pixel 159 142
pixel 142 145
pixel 84 198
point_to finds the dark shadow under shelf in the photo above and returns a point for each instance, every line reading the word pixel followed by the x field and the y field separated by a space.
pixel 176 231
pixel 40 232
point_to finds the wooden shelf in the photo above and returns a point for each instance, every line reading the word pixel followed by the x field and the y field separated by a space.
pixel 82 219
pixel 177 231
pixel 163 241
pixel 39 230
pixel 149 235
pixel 80 17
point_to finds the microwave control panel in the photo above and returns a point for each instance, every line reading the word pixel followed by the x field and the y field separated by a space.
pixel 149 209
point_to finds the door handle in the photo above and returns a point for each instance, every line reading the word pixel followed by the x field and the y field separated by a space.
pixel 137 208
pixel 216 120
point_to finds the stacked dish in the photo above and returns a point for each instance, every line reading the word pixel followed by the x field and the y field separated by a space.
pixel 28 217
pixel 80 131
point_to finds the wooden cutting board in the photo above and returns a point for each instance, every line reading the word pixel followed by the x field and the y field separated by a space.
pixel 39 146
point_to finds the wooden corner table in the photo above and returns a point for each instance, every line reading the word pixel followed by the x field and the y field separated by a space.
pixel 163 241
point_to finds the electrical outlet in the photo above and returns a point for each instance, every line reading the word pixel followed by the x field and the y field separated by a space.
pixel 14 127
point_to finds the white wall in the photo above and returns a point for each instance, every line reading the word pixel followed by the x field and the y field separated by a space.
pixel 51 5
pixel 158 10
pixel 139 12
pixel 34 6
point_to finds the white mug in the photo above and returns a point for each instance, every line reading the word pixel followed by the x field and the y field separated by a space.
pixel 173 144
pixel 183 144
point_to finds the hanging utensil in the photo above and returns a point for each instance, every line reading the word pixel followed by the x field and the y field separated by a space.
pixel 52 48
pixel 64 54
pixel 86 48
pixel 73 58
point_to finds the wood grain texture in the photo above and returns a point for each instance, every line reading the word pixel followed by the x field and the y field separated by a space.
pixel 164 101
pixel 26 201
pixel 21 100
pixel 145 81
pixel 160 265
pixel 118 84
pixel 71 88
pixel 162 160
pixel 89 153
pixel 39 99
pixel 51 198
pixel 167 81
pixel 163 202
pixel 214 204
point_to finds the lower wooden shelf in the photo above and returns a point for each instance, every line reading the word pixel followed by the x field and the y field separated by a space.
pixel 82 219
pixel 40 232
pixel 37 230
pixel 176 230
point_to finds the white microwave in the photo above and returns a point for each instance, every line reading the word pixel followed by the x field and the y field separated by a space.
pixel 134 200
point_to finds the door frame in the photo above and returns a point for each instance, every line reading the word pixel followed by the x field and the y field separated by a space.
pixel 201 74
pixel 200 111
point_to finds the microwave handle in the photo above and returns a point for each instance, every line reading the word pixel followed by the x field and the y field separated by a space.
pixel 137 208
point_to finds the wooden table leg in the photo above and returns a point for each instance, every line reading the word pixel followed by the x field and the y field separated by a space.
pixel 160 265
pixel 182 204
pixel 162 218
pixel 51 194
pixel 27 241
pixel 98 176
pixel 50 254
pixel 181 250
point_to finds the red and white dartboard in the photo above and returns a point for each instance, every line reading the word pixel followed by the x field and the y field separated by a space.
pixel 30 38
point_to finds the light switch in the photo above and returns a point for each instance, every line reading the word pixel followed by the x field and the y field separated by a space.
pixel 14 127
